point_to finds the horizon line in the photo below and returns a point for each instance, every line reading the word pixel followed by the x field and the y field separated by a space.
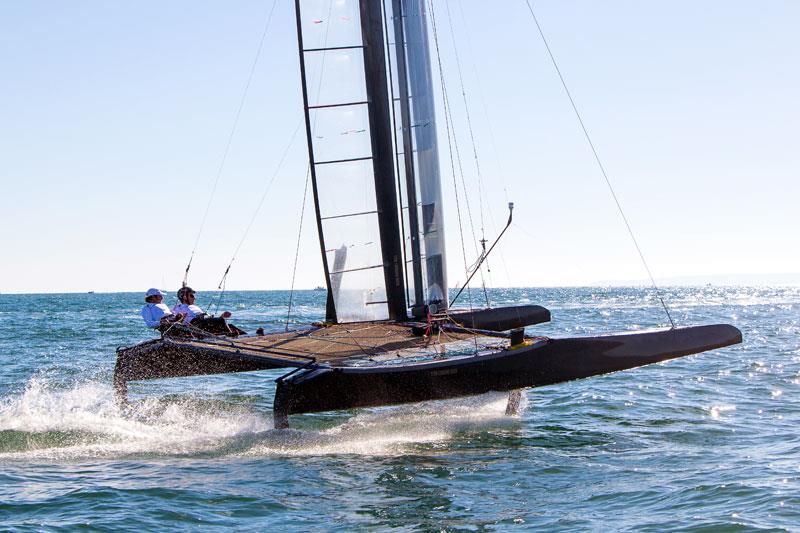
pixel 615 285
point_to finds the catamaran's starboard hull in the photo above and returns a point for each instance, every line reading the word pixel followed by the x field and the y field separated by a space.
pixel 501 318
pixel 544 362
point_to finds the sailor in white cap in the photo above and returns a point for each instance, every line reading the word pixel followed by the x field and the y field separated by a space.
pixel 155 312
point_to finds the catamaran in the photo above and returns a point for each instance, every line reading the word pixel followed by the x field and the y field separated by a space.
pixel 390 335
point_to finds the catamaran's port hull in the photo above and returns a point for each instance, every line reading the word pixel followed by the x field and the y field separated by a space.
pixel 544 362
pixel 164 358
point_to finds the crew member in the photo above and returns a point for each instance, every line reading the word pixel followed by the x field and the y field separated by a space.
pixel 194 315
pixel 156 313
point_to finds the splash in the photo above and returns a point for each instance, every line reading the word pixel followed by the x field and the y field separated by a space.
pixel 49 422
pixel 394 430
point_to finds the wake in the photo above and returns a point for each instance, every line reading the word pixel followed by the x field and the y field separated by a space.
pixel 48 422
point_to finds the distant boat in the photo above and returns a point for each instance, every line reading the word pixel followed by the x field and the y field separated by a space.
pixel 390 334
pixel 319 288
pixel 90 292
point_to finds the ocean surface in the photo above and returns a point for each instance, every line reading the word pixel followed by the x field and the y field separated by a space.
pixel 709 442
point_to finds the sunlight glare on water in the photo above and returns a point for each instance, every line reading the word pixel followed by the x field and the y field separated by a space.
pixel 707 442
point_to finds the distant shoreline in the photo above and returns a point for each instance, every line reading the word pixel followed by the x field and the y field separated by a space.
pixel 776 280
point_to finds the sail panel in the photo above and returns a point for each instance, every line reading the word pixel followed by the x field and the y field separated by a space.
pixel 356 268
pixel 347 128
pixel 345 189
pixel 360 295
pixel 359 236
pixel 330 23
pixel 340 133
pixel 335 77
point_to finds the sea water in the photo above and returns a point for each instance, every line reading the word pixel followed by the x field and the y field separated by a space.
pixel 709 442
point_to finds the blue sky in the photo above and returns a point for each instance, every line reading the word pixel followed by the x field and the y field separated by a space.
pixel 114 118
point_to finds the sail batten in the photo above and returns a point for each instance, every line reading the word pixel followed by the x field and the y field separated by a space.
pixel 346 104
pixel 349 215
pixel 356 269
pixel 334 161
pixel 331 48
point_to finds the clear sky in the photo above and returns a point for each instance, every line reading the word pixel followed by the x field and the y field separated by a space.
pixel 114 117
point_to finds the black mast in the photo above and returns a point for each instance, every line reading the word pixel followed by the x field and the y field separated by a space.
pixel 380 127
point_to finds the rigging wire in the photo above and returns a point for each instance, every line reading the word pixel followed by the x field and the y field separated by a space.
pixel 599 162
pixel 297 249
pixel 466 110
pixel 482 100
pixel 230 141
pixel 479 260
pixel 449 141
pixel 275 174
pixel 452 144
pixel 490 130
pixel 452 138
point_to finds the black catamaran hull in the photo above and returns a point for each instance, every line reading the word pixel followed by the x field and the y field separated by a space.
pixel 502 318
pixel 545 362
pixel 166 358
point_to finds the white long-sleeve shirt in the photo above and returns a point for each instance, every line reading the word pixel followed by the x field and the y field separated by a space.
pixel 191 311
pixel 153 313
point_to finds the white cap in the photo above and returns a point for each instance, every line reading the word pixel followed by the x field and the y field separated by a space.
pixel 153 292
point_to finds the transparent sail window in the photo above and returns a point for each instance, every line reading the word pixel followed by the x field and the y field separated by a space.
pixel 335 77
pixel 330 23
pixel 359 235
pixel 346 188
pixel 354 258
pixel 340 133
pixel 361 295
